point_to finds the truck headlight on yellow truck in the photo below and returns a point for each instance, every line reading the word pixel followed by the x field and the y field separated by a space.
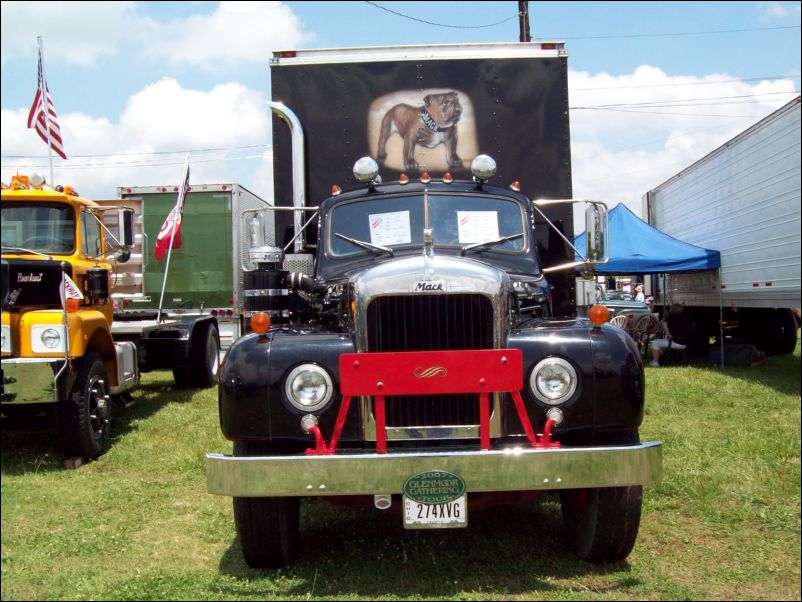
pixel 6 339
pixel 48 338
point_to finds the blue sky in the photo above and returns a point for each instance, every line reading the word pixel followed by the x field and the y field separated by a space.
pixel 136 84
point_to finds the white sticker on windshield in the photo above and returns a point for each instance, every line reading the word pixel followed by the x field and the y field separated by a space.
pixel 390 228
pixel 477 226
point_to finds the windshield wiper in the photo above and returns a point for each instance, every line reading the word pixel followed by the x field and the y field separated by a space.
pixel 378 249
pixel 22 250
pixel 490 243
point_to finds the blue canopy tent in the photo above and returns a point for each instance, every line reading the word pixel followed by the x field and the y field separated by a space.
pixel 635 247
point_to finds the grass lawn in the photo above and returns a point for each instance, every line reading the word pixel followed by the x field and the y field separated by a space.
pixel 138 523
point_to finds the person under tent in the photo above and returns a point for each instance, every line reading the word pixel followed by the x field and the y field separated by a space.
pixel 677 334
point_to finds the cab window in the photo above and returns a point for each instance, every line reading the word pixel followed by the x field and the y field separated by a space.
pixel 90 235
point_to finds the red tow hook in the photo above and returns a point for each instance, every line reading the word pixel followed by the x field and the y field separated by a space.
pixel 545 438
pixel 320 443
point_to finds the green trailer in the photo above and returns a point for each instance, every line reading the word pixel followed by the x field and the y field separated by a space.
pixel 205 272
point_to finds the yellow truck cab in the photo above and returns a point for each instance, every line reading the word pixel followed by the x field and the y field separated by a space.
pixel 57 347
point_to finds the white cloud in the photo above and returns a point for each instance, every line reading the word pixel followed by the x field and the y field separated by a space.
pixel 622 151
pixel 780 10
pixel 162 118
pixel 75 32
pixel 80 33
pixel 236 32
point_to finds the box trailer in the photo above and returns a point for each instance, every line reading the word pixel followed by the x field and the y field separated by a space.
pixel 743 200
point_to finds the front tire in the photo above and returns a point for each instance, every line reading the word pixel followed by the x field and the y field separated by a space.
pixel 84 419
pixel 268 527
pixel 601 525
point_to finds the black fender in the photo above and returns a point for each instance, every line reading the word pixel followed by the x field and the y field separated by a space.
pixel 610 394
pixel 252 403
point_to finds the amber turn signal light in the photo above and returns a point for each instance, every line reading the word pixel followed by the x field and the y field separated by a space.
pixel 598 314
pixel 260 323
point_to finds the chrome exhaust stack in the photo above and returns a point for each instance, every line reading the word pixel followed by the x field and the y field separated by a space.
pixel 298 168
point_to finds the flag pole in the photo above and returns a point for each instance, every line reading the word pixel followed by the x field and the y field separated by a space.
pixel 172 236
pixel 43 92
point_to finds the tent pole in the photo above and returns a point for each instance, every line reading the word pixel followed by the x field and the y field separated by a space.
pixel 721 316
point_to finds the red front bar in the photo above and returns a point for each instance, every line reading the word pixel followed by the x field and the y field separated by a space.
pixel 431 372
pixel 482 371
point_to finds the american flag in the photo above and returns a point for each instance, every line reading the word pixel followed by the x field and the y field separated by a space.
pixel 38 120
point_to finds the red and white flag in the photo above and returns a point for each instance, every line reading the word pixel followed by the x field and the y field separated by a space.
pixel 69 290
pixel 170 233
pixel 41 122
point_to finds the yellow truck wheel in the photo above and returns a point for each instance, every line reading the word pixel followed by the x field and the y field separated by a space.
pixel 84 419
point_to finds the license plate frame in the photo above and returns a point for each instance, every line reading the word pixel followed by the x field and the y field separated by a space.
pixel 441 515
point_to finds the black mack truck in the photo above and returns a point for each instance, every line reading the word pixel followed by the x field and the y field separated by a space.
pixel 415 343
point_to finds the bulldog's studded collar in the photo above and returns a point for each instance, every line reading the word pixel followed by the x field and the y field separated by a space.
pixel 431 123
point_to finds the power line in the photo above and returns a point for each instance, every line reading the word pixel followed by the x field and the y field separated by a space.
pixel 699 83
pixel 669 113
pixel 663 35
pixel 374 4
pixel 686 102
pixel 184 151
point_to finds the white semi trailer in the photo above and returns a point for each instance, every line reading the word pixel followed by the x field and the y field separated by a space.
pixel 743 199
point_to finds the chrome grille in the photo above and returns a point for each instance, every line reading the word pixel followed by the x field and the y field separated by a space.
pixel 430 323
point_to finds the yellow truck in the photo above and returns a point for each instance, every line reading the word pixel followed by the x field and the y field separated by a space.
pixel 59 356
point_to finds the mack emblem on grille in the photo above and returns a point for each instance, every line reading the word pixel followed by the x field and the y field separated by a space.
pixel 425 286
pixel 430 372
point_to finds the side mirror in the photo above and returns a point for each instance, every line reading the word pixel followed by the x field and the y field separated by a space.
pixel 596 232
pixel 125 226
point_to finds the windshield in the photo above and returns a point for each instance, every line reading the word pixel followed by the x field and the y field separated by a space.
pixel 455 220
pixel 43 227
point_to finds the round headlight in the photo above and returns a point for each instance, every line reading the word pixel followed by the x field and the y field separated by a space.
pixel 51 338
pixel 553 381
pixel 308 387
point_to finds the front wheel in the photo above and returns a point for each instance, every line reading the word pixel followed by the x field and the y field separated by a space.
pixel 601 525
pixel 268 527
pixel 84 419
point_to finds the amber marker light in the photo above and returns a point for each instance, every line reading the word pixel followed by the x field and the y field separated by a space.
pixel 598 314
pixel 448 178
pixel 516 186
pixel 260 323
pixel 335 190
pixel 403 179
pixel 72 305
pixel 425 177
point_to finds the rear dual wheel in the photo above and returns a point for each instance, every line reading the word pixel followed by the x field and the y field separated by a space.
pixel 204 359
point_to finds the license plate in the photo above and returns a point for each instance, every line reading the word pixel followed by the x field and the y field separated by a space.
pixel 445 515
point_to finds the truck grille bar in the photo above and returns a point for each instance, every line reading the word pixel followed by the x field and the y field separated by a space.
pixel 430 323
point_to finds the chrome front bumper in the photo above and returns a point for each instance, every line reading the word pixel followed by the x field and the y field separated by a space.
pixel 31 380
pixel 515 469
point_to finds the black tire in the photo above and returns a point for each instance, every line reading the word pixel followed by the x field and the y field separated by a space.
pixel 84 420
pixel 204 356
pixel 268 527
pixel 601 525
pixel 204 359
